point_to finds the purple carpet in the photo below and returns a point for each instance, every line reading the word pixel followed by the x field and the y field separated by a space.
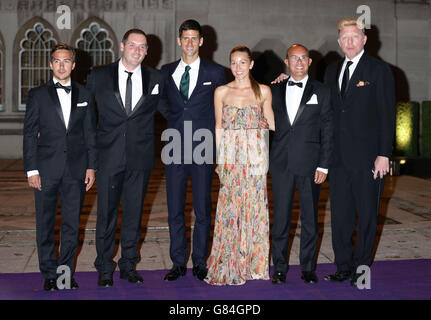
pixel 405 279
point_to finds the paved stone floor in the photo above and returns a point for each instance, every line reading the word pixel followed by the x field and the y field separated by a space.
pixel 404 230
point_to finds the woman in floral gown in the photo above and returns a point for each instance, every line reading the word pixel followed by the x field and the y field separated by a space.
pixel 240 249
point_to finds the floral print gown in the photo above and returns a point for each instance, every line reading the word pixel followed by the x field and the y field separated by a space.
pixel 240 249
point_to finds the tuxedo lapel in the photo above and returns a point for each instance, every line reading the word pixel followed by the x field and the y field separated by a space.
pixel 172 84
pixel 55 101
pixel 200 77
pixel 75 95
pixel 115 86
pixel 308 90
pixel 145 81
pixel 339 66
pixel 145 74
pixel 356 76
pixel 283 86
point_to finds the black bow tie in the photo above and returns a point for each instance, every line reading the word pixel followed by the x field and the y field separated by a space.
pixel 292 83
pixel 58 85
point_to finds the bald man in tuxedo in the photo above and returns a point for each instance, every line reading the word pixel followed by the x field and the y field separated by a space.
pixel 299 159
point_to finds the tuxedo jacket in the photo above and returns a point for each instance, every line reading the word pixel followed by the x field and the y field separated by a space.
pixel 364 121
pixel 48 144
pixel 305 144
pixel 125 141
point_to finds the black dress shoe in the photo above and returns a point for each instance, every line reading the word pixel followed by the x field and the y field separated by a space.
pixel 200 271
pixel 309 277
pixel 131 276
pixel 279 277
pixel 50 285
pixel 73 284
pixel 105 280
pixel 338 277
pixel 175 273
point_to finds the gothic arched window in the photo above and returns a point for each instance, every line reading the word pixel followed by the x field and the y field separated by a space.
pixel 96 41
pixel 34 57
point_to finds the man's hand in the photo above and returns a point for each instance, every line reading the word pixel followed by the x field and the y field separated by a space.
pixel 90 177
pixel 263 124
pixel 34 182
pixel 381 167
pixel 319 177
pixel 280 78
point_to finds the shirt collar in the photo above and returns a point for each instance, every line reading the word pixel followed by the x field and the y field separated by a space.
pixel 69 83
pixel 303 81
pixel 122 68
pixel 356 59
pixel 194 65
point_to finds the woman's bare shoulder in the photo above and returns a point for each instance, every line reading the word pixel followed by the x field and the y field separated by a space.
pixel 266 91
pixel 223 90
pixel 264 88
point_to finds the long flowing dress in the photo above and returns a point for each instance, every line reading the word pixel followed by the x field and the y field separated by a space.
pixel 240 249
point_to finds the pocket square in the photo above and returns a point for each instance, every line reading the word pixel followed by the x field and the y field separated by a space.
pixel 207 83
pixel 313 100
pixel 155 89
pixel 362 83
pixel 82 104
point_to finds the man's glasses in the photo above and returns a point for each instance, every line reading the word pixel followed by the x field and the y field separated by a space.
pixel 296 58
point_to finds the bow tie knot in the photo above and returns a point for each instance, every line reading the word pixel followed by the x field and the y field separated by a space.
pixel 58 85
pixel 293 83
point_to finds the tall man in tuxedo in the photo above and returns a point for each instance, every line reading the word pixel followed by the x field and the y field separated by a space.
pixel 363 97
pixel 59 157
pixel 127 96
pixel 299 158
pixel 190 84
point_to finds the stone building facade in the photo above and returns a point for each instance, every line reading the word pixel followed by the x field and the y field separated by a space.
pixel 400 35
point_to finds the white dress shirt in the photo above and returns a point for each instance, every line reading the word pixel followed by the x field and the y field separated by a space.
pixel 293 97
pixel 352 67
pixel 293 100
pixel 66 103
pixel 193 72
pixel 136 83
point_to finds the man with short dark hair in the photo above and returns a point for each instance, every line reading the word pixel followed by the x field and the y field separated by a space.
pixel 59 157
pixel 127 96
pixel 190 84
pixel 132 31
pixel 363 98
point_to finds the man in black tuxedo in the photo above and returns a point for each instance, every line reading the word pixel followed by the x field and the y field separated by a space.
pixel 299 158
pixel 59 157
pixel 363 97
pixel 127 95
pixel 190 84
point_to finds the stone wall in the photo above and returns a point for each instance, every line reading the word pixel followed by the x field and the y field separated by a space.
pixel 400 35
